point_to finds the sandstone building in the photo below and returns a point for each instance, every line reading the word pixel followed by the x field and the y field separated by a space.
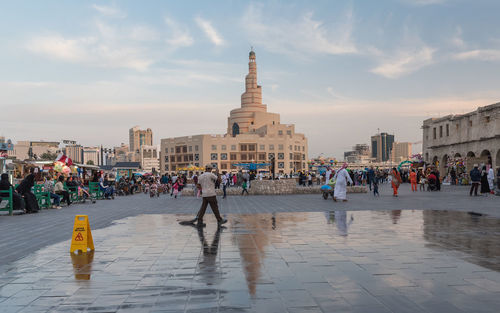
pixel 253 135
pixel 473 137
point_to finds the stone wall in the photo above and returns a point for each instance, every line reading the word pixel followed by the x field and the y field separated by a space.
pixel 277 187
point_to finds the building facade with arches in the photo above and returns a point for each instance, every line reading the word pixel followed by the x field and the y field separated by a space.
pixel 470 138
pixel 253 135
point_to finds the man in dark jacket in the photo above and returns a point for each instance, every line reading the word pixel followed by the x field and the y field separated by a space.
pixel 24 189
pixel 475 177
pixel 17 200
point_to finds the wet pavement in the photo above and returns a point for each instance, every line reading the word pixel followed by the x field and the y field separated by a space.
pixel 339 261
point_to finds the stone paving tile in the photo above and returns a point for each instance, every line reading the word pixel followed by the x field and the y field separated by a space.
pixel 363 261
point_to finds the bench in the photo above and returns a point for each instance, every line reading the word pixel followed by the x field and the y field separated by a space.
pixel 42 197
pixel 95 190
pixel 6 195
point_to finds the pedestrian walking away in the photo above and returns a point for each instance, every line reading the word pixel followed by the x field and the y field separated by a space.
pixel 207 182
pixel 475 177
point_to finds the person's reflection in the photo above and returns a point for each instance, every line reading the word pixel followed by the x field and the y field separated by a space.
pixel 82 264
pixel 330 217
pixel 395 215
pixel 273 221
pixel 209 268
pixel 341 222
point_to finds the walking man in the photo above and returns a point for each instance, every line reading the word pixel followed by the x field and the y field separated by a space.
pixel 475 177
pixel 207 181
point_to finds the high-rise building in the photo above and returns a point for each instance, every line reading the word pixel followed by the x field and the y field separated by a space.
pixel 401 151
pixel 74 152
pixel 382 146
pixel 253 136
pixel 139 137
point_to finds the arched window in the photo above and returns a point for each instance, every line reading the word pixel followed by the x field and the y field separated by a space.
pixel 236 129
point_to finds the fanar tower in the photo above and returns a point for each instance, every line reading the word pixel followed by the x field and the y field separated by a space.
pixel 253 136
pixel 252 114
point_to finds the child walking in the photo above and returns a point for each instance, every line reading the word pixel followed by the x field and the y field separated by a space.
pixel 244 186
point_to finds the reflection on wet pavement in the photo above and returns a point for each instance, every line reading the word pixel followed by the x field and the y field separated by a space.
pixel 363 261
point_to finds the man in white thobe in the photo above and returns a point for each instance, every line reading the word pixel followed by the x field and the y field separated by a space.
pixel 491 177
pixel 341 177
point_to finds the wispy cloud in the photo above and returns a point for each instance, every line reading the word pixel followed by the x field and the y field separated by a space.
pixel 209 30
pixel 299 36
pixel 179 36
pixel 457 39
pixel 110 11
pixel 404 62
pixel 479 54
pixel 105 47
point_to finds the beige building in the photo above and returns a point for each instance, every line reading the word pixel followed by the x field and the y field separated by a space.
pixel 253 135
pixel 138 138
pixel 92 155
pixel 149 157
pixel 473 137
pixel 401 151
pixel 24 150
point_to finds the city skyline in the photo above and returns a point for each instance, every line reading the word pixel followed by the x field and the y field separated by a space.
pixel 90 71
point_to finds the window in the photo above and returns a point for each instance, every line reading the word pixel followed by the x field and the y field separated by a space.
pixel 196 157
pixel 186 158
pixel 303 157
pixel 440 131
pixel 190 148
pixel 178 149
pixel 291 156
pixel 190 157
pixel 243 148
pixel 470 123
pixel 243 157
pixel 233 147
pixel 185 149
pixel 262 147
pixel 291 165
pixel 179 158
pixel 252 147
pixel 447 129
pixel 289 132
pixel 281 156
pixel 236 129
pixel 434 132
pixel 213 156
pixel 223 166
pixel 223 147
pixel 271 147
pixel 281 164
pixel 166 167
pixel 251 157
pixel 166 150
pixel 303 148
pixel 215 165
pixel 233 156
pixel 196 148
pixel 487 119
pixel 214 147
pixel 172 150
pixel 223 156
pixel 166 158
pixel 270 156
pixel 280 132
pixel 280 147
pixel 262 156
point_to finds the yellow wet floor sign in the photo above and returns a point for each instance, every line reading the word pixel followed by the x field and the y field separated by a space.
pixel 82 237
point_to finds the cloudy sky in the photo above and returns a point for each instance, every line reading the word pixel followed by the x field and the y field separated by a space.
pixel 339 70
